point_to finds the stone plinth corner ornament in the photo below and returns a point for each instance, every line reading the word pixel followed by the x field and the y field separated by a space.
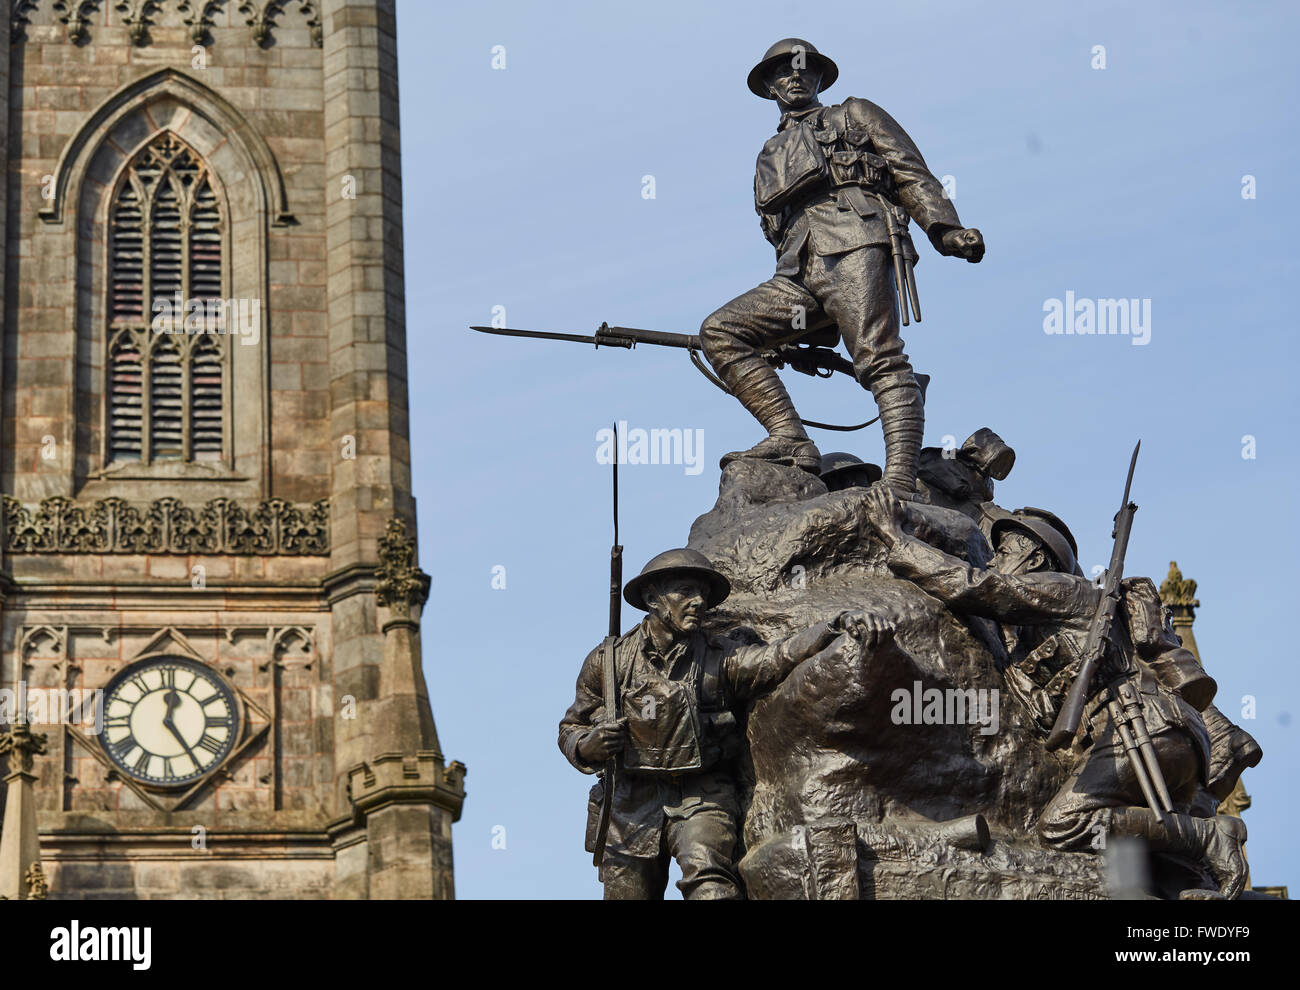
pixel 22 746
pixel 37 886
pixel 401 583
pixel 1176 591
pixel 21 877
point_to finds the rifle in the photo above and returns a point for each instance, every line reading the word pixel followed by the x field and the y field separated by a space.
pixel 608 684
pixel 807 359
pixel 1124 703
pixel 1099 633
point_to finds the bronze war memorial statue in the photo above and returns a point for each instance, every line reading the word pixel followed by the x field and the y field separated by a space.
pixel 834 190
pixel 858 681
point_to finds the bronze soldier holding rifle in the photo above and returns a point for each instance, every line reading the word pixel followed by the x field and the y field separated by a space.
pixel 676 734
pixel 1034 588
pixel 834 190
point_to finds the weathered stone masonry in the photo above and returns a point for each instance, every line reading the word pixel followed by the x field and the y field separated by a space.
pixel 248 507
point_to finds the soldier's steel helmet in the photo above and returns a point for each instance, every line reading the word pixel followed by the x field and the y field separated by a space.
pixel 677 563
pixel 783 49
pixel 1047 529
pixel 839 463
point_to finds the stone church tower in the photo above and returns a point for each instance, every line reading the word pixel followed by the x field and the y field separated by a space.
pixel 204 454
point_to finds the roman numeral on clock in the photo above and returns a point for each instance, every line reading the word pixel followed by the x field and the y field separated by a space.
pixel 211 743
pixel 225 721
pixel 141 765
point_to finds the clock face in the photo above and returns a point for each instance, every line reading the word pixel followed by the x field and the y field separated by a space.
pixel 168 721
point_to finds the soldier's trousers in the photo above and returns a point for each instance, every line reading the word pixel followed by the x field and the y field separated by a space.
pixel 855 289
pixel 1078 818
pixel 704 846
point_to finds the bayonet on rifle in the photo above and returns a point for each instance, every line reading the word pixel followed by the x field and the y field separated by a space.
pixel 807 359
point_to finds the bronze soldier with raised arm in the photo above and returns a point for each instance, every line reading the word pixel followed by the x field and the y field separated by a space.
pixel 834 189
pixel 675 733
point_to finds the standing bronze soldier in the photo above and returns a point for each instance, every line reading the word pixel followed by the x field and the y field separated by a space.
pixel 677 734
pixel 834 189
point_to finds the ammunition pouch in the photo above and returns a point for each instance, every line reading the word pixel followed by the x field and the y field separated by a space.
pixel 1053 665
pixel 851 160
pixel 663 727
pixel 1042 679
pixel 790 167
pixel 807 160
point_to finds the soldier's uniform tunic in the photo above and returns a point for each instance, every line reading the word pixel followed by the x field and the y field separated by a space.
pixel 847 270
pixel 822 187
pixel 675 791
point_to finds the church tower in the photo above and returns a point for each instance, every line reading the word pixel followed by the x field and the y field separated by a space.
pixel 209 597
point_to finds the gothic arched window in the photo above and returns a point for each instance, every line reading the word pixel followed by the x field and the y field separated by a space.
pixel 168 347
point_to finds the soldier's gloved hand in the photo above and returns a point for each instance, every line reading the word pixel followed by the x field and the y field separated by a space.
pixel 603 741
pixel 967 243
pixel 884 513
pixel 922 529
pixel 868 629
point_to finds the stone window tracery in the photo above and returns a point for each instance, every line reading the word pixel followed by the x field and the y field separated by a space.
pixel 168 352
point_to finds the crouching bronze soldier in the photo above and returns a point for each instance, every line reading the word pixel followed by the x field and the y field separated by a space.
pixel 1033 587
pixel 834 190
pixel 676 735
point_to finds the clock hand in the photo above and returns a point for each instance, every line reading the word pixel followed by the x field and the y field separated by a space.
pixel 181 739
pixel 172 700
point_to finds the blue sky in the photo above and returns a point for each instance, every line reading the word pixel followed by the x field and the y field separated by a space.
pixel 523 189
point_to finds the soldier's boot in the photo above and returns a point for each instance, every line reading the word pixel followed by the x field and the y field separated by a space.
pixel 1217 842
pixel 758 387
pixel 902 418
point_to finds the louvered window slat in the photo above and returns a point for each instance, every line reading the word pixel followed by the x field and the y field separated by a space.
pixel 206 402
pixel 205 245
pixel 125 400
pixel 127 256
pixel 165 253
pixel 166 403
pixel 165 392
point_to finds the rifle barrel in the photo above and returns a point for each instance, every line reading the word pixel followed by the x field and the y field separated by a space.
pixel 615 558
pixel 615 335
